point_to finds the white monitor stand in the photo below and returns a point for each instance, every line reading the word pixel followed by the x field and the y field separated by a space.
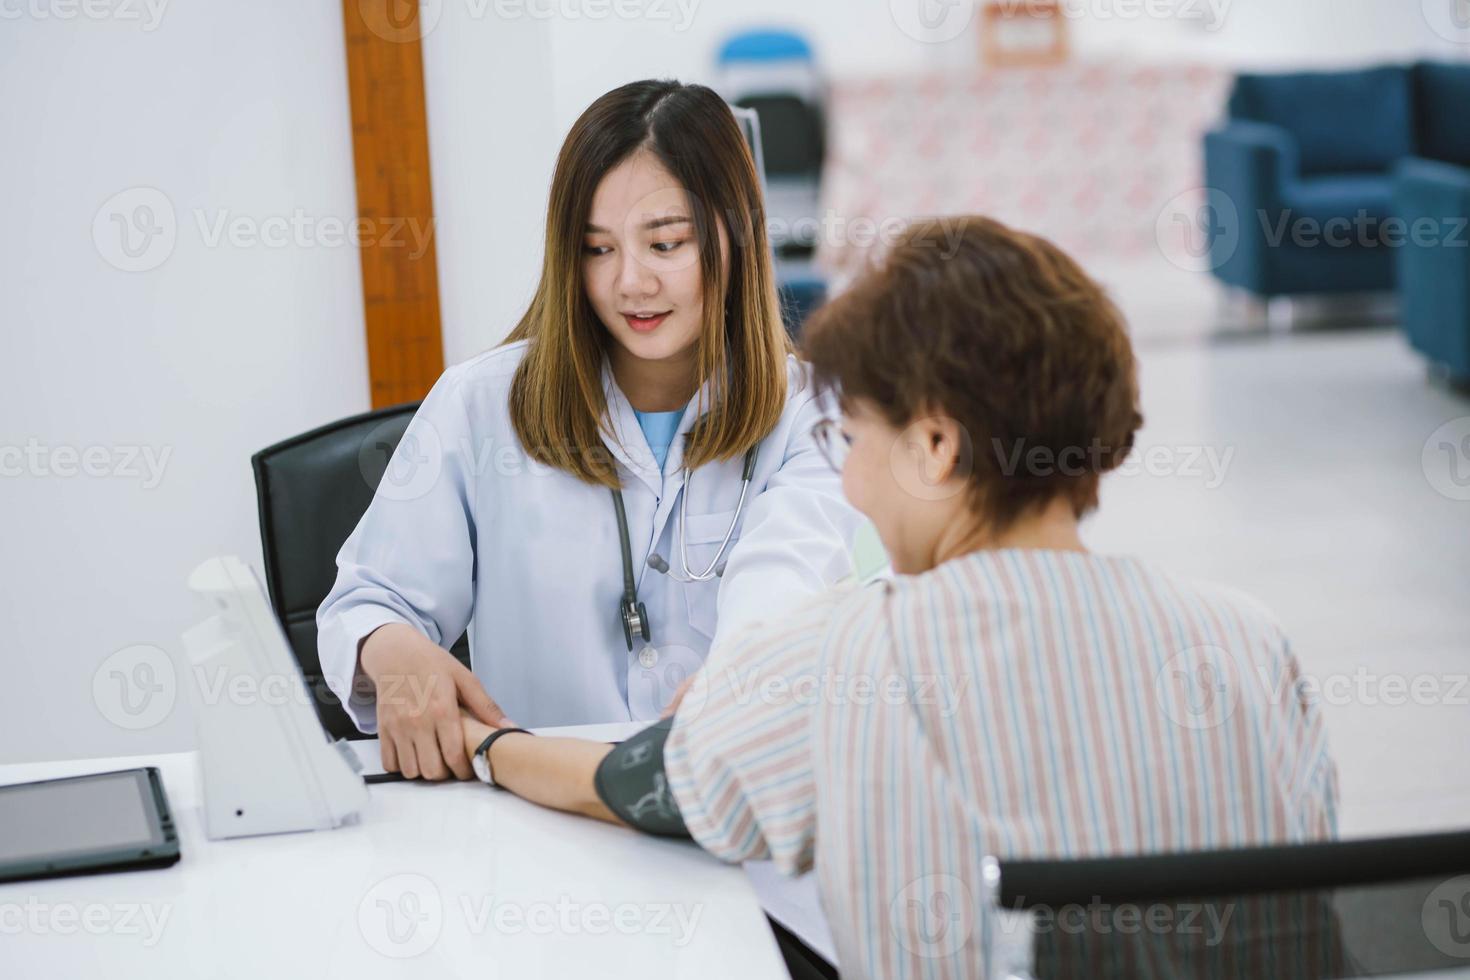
pixel 266 765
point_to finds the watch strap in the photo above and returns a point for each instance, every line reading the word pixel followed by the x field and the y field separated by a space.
pixel 484 749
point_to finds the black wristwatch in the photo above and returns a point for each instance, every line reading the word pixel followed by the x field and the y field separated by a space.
pixel 480 761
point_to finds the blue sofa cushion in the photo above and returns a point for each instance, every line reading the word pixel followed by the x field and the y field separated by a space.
pixel 1323 198
pixel 1442 93
pixel 1343 121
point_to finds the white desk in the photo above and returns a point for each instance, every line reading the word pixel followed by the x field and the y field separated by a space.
pixel 437 880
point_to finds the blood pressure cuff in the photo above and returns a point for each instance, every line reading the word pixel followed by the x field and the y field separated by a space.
pixel 631 782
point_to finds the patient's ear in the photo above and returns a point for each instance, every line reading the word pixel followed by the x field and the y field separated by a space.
pixel 939 455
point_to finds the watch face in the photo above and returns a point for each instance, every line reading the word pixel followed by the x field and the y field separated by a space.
pixel 481 766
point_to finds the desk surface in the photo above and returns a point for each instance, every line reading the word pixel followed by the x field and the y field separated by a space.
pixel 439 879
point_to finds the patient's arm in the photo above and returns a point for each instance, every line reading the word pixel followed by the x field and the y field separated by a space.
pixel 554 772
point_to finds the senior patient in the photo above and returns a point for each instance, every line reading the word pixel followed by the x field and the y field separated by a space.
pixel 1009 692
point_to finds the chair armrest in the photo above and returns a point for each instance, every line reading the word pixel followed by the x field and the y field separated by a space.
pixel 1431 202
pixel 1417 175
pixel 1431 199
pixel 1249 164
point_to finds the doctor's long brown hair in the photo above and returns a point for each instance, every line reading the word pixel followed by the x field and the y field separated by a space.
pixel 557 402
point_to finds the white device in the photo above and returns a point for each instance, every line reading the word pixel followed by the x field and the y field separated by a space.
pixel 266 765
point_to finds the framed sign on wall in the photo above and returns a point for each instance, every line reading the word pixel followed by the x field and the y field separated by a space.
pixel 1022 33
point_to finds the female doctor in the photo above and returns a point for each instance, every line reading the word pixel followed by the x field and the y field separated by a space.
pixel 629 478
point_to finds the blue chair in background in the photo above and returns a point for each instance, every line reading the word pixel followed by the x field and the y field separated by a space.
pixel 1303 155
pixel 1351 182
pixel 1432 198
pixel 774 73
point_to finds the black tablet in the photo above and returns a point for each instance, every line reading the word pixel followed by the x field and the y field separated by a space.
pixel 109 821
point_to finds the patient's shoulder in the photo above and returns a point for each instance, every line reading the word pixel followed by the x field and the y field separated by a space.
pixel 1233 606
pixel 803 629
pixel 1195 614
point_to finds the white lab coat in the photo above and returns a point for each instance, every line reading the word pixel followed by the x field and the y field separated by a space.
pixel 465 529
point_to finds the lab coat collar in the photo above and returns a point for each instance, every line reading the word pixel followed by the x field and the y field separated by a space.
pixel 626 441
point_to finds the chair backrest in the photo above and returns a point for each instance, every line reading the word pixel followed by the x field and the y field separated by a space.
pixel 312 490
pixel 1330 909
pixel 774 73
pixel 1441 93
pixel 1344 121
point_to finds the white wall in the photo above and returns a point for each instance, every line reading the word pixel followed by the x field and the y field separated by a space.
pixel 1276 33
pixel 215 353
pixel 493 138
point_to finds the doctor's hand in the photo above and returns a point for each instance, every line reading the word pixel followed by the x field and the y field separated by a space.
pixel 420 688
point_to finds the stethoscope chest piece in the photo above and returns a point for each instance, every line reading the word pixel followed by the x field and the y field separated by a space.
pixel 635 621
pixel 635 617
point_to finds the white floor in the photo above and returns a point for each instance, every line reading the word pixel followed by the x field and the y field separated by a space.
pixel 1323 504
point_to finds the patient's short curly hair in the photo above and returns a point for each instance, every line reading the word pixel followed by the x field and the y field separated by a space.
pixel 1004 333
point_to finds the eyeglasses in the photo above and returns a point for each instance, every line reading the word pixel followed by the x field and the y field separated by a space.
pixel 832 442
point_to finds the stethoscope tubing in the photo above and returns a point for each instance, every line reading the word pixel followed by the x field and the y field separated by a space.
pixel 634 617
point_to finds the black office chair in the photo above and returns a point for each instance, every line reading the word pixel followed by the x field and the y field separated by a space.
pixel 312 490
pixel 1323 910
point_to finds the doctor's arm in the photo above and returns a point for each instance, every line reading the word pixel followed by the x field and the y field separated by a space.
pixel 404 592
pixel 796 537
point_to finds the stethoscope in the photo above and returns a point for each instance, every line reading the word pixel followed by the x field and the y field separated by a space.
pixel 635 617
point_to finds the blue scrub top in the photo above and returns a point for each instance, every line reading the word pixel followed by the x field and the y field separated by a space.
pixel 658 429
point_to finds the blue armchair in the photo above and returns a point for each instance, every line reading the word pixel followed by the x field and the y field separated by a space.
pixel 1432 199
pixel 1307 161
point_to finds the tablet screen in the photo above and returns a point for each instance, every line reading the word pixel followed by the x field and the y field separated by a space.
pixel 70 816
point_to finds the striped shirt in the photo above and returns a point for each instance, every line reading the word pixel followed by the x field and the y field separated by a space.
pixel 1015 703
